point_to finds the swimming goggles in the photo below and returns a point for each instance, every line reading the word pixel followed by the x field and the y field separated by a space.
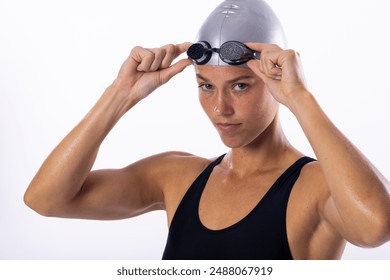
pixel 230 52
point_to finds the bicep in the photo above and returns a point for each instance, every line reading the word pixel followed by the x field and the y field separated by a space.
pixel 116 194
pixel 136 189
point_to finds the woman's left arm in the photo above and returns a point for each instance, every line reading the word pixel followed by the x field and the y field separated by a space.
pixel 358 204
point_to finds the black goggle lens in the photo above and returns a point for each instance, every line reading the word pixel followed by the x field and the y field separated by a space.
pixel 200 52
pixel 230 52
pixel 233 53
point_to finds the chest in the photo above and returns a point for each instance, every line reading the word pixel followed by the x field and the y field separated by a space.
pixel 237 219
pixel 226 201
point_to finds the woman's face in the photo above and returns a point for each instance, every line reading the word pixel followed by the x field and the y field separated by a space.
pixel 236 102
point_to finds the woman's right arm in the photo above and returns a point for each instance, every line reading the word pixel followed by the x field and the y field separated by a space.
pixel 64 186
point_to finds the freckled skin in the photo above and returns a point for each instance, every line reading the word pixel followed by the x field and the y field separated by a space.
pixel 341 197
pixel 226 97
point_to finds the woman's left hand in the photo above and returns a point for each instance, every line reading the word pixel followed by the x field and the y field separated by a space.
pixel 280 70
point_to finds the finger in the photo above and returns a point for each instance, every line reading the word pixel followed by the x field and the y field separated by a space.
pixel 271 69
pixel 258 68
pixel 259 47
pixel 167 73
pixel 183 47
pixel 255 67
pixel 144 58
pixel 159 56
pixel 172 52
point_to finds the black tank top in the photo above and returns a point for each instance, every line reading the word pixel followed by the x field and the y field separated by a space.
pixel 261 234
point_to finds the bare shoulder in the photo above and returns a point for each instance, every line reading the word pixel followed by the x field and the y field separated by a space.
pixel 171 170
pixel 177 170
pixel 311 184
pixel 172 173
pixel 311 171
pixel 304 201
pixel 170 165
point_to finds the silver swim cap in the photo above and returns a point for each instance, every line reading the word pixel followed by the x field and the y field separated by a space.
pixel 243 21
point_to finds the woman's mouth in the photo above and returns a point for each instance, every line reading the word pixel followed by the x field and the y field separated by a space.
pixel 227 127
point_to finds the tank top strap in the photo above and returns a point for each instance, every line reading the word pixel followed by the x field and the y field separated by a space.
pixel 294 170
pixel 188 206
pixel 201 180
pixel 217 161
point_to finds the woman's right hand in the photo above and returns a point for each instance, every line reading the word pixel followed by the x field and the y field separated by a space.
pixel 147 69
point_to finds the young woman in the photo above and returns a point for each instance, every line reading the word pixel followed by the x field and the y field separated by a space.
pixel 263 199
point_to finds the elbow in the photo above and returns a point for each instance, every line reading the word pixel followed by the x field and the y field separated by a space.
pixel 377 239
pixel 381 225
pixel 383 235
pixel 36 203
pixel 377 234
pixel 376 231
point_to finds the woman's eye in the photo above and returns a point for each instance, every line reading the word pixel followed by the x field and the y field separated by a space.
pixel 240 86
pixel 206 87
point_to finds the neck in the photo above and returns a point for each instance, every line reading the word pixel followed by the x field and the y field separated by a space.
pixel 269 150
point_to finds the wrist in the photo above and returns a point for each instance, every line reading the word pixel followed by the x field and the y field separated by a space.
pixel 300 101
pixel 110 108
pixel 117 101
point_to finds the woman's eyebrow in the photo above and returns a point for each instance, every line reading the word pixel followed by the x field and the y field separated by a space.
pixel 239 78
pixel 200 77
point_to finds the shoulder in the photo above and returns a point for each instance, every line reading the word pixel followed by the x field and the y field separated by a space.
pixel 174 160
pixel 311 191
pixel 312 179
pixel 169 168
pixel 173 173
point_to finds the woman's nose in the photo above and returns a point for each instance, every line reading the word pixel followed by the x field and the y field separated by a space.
pixel 223 105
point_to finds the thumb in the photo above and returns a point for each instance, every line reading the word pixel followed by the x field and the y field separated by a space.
pixel 167 73
pixel 255 67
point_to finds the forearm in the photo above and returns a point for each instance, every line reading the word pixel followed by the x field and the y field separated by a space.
pixel 63 173
pixel 357 188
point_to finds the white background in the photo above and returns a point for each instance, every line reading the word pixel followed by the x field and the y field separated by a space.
pixel 57 57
